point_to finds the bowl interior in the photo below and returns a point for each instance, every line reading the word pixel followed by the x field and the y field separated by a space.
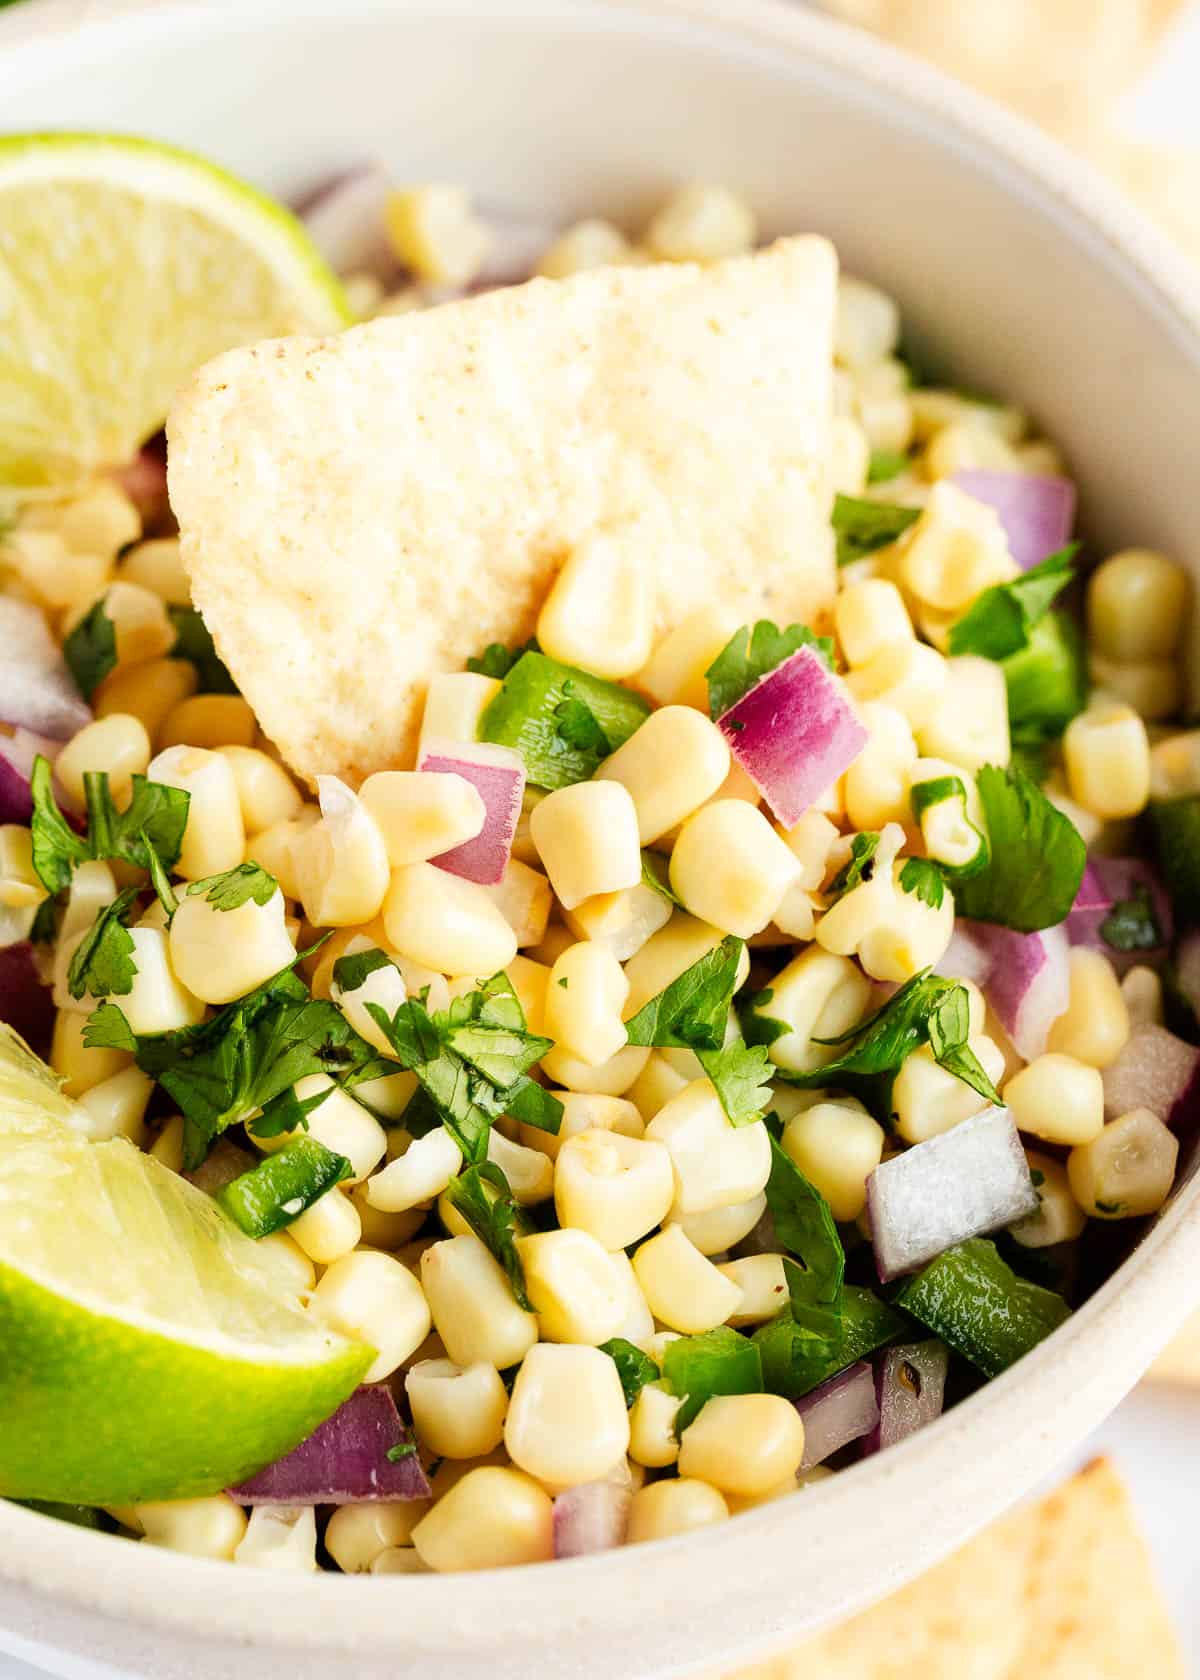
pixel 1014 272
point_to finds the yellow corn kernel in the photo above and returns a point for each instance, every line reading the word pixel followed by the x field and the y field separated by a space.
pixel 576 1290
pixel 92 887
pixel 730 867
pixel 585 1112
pixel 454 703
pixel 341 861
pixel 158 1001
pixel 763 1283
pixel 1095 1026
pixel 716 1231
pixel 77 1067
pixel 530 1174
pixel 587 838
pixel 422 1172
pixel 1057 1099
pixel 215 837
pixel 716 1164
pixel 894 933
pixel 652 1438
pixel 266 793
pixel 388 1231
pixel 209 1528
pixel 701 223
pixel 836 1145
pixel 372 1298
pixel 622 921
pixel 849 456
pixel 1175 766
pixel 116 1108
pixel 677 1506
pixel 20 885
pixel 907 676
pixel 869 617
pixel 422 814
pixel 472 1305
pixel 586 992
pixel 682 942
pixel 435 232
pixel 657 1083
pixel 1137 606
pixel 457 1411
pixel 970 727
pixel 1127 1169
pixel 928 1099
pixel 954 550
pixel 157 566
pixel 338 1122
pixel 592 243
pixel 1107 756
pixel 683 1288
pixel 274 849
pixel 599 611
pixel 876 784
pixel 965 447
pixel 168 1146
pixel 446 923
pixel 117 744
pixel 209 720
pixel 671 765
pixel 1059 1217
pixel 610 1079
pixel 329 1229
pixel 743 1443
pixel 567 1421
pixel 617 1188
pixel 279 1537
pixel 674 673
pixel 1153 687
pixel 219 955
pixel 523 898
pixel 139 619
pixel 492 1519
pixel 867 324
pixel 148 692
pixel 818 995
pixel 356 1535
pixel 935 409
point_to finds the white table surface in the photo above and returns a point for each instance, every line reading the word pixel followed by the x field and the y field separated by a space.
pixel 1155 1436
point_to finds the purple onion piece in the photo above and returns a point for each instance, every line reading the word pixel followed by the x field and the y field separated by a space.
pixel 910 1386
pixel 17 753
pixel 345 1460
pixel 1038 514
pixel 841 1410
pixel 498 775
pixel 962 1183
pixel 592 1517
pixel 1155 1070
pixel 965 958
pixel 1028 983
pixel 1108 881
pixel 37 692
pixel 794 733
pixel 26 1004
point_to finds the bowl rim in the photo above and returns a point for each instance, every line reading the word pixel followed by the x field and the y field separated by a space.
pixel 1142 1302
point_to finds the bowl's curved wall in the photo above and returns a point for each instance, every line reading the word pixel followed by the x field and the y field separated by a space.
pixel 1030 279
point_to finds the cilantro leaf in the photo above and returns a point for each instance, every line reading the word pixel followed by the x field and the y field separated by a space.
pixel 1037 857
pixel 235 887
pixel 159 879
pixel 497 661
pixel 886 464
pixel 634 1367
pixel 857 867
pixel 862 526
pixel 90 649
pixel 401 1451
pixel 692 1012
pixel 107 1029
pixel 999 621
pixel 579 727
pixel 1131 924
pixel 805 1226
pixel 757 1026
pixel 750 654
pixel 103 960
pixel 923 878
pixel 45 923
pixel 57 849
pixel 194 643
pixel 949 1028
pixel 493 1219
pixel 349 973
pixel 739 1073
pixel 154 819
pixel 698 1368
pixel 655 876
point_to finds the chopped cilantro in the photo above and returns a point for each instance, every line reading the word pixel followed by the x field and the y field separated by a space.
pixel 923 878
pixel 634 1367
pixel 655 876
pixel 757 1026
pixel 750 654
pixel 886 464
pixel 693 1011
pixel 698 1368
pixel 579 727
pixel 90 649
pixel 739 1073
pixel 103 961
pixel 45 923
pixel 154 820
pixel 857 867
pixel 492 1218
pixel 1131 924
pixel 349 973
pixel 193 643
pixel 862 526
pixel 159 879
pixel 497 661
pixel 235 887
pixel 1037 857
pixel 804 1225
pixel 57 849
pixel 1000 620
pixel 401 1451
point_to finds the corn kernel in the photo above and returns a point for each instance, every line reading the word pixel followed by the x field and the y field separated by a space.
pixel 701 223
pixel 599 611
pixel 743 1443
pixel 1095 1026
pixel 209 720
pixel 928 1099
pixel 678 1506
pixel 716 1231
pixel 492 1519
pixel 674 675
pixel 682 942
pixel 148 692
pixel 671 765
pixel 446 923
pixel 457 1411
pixel 657 1083
pixel 867 324
pixel 818 995
pixel 836 1145
pixel 116 1108
pixel 341 862
pixel 593 243
pixel 472 1305
pixel 574 1286
pixel 219 955
pixel 970 727
pixel 567 1421
pixel 763 1283
pixel 956 548
pixel 715 1164
pixel 730 868
pixel 529 1172
pixel 622 921
pixel 587 838
pixel 421 814
pixel 158 1001
pixel 279 1537
pixel 356 1535
pixel 683 1288
pixel 1153 687
pixel 210 1528
pixel 584 998
pixel 274 849
pixel 454 703
pixel 617 1188
pixel 523 898
pixel 435 232
pixel 869 617
pixel 157 566
pixel 876 784
pixel 610 1079
pixel 1059 1217
pixel 215 837
pixel 77 1067
pixel 1127 1169
pixel 849 456
pixel 1057 1099
pixel 373 1298
pixel 585 1112
pixel 117 744
pixel 1137 606
pixel 1107 757
pixel 266 793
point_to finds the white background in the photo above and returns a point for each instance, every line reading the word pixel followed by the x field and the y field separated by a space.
pixel 1155 1436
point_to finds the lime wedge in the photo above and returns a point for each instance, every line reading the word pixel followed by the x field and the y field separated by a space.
pixel 150 1350
pixel 124 265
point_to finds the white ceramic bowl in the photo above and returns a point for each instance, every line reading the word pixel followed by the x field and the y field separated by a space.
pixel 1028 278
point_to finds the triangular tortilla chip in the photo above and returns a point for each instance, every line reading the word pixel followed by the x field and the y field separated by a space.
pixel 360 512
pixel 1179 1361
pixel 1061 1590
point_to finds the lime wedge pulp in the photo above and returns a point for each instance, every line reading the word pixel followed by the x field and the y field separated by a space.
pixel 124 265
pixel 150 1350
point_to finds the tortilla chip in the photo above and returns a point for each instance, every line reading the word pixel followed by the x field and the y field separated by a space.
pixel 1062 1590
pixel 1179 1361
pixel 358 513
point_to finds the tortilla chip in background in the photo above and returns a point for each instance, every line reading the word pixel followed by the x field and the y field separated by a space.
pixel 360 512
pixel 1060 1590
pixel 1179 1361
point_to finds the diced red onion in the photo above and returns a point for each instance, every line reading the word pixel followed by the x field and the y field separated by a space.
pixel 345 1460
pixel 17 753
pixel 962 1183
pixel 965 958
pixel 1157 1071
pixel 1038 514
pixel 37 692
pixel 794 733
pixel 26 1004
pixel 592 1517
pixel 499 775
pixel 910 1386
pixel 841 1410
pixel 1108 881
pixel 517 244
pixel 1027 984
pixel 144 481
